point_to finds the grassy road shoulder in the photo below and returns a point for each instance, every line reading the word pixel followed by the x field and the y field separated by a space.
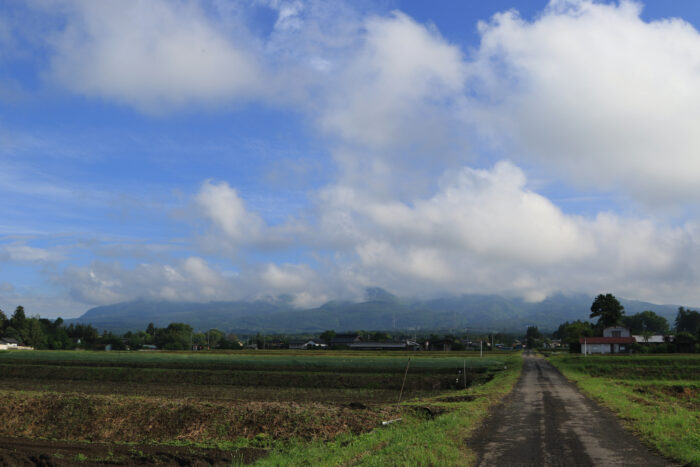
pixel 432 431
pixel 657 397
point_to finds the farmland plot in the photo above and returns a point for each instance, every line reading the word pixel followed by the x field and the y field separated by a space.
pixel 245 405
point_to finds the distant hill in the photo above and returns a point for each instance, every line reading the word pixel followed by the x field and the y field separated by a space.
pixel 381 311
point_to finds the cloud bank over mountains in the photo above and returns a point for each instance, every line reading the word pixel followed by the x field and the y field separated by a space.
pixel 445 156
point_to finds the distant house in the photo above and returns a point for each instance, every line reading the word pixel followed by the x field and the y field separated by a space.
pixel 305 344
pixel 8 343
pixel 395 345
pixel 615 339
pixel 344 340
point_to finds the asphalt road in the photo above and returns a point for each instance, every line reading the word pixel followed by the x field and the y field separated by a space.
pixel 546 421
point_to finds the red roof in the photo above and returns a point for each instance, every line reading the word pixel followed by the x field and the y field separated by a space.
pixel 607 340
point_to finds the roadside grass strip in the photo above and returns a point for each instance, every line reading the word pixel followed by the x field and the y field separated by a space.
pixel 432 431
pixel 664 413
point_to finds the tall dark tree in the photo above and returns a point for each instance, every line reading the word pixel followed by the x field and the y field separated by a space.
pixel 688 321
pixel 533 336
pixel 4 322
pixel 608 310
pixel 19 318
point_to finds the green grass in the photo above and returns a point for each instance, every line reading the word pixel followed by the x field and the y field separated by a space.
pixel 415 440
pixel 663 408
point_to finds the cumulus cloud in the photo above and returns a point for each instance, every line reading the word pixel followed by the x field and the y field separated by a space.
pixel 391 87
pixel 153 55
pixel 226 210
pixel 606 98
pixel 485 231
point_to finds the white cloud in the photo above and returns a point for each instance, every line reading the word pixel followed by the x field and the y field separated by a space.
pixel 191 279
pixel 22 252
pixel 607 99
pixel 224 208
pixel 154 55
pixel 104 283
pixel 392 90
pixel 485 231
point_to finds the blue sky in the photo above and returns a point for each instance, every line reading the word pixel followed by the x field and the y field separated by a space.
pixel 217 150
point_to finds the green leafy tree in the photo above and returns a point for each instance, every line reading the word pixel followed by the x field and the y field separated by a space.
pixel 380 336
pixel 533 337
pixel 4 322
pixel 214 336
pixel 84 335
pixel 570 333
pixel 19 323
pixel 12 333
pixel 684 342
pixel 688 321
pixel 608 310
pixel 177 336
pixel 646 321
pixel 35 334
pixel 327 336
pixel 230 341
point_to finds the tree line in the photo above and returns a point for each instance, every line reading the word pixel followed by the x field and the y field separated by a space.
pixel 42 333
pixel 609 311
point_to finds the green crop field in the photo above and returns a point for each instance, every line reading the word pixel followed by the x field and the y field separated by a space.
pixel 248 406
pixel 657 396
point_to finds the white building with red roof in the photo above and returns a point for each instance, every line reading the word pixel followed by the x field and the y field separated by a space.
pixel 615 339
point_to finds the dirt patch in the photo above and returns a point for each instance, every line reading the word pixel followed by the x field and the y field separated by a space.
pixel 357 406
pixel 430 411
pixel 32 452
pixel 127 419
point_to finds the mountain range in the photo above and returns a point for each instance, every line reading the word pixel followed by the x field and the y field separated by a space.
pixel 380 311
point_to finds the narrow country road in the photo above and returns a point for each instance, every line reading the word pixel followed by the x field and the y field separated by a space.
pixel 546 421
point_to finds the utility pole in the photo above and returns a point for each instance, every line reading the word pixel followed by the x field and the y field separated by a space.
pixel 481 348
pixel 464 372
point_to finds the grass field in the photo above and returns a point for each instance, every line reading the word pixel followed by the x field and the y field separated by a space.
pixel 657 396
pixel 279 405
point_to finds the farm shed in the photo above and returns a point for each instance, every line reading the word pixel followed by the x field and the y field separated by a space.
pixel 655 339
pixel 601 345
pixel 8 343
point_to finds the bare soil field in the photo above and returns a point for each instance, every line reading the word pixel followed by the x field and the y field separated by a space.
pixel 33 452
pixel 59 408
